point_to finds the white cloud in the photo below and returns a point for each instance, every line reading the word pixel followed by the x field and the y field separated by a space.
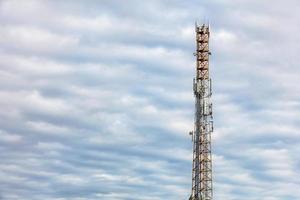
pixel 9 137
pixel 31 39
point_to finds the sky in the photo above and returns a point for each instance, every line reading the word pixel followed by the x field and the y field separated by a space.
pixel 96 98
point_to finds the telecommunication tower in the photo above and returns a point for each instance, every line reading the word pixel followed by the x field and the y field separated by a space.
pixel 202 162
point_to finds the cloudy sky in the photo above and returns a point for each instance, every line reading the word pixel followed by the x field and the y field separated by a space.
pixel 96 99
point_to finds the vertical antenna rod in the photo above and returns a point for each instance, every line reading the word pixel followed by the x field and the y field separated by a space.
pixel 203 127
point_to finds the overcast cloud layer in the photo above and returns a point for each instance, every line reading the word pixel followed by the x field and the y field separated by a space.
pixel 96 99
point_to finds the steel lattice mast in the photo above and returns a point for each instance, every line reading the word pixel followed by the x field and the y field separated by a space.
pixel 202 162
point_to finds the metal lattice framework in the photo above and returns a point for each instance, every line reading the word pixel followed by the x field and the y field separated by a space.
pixel 202 161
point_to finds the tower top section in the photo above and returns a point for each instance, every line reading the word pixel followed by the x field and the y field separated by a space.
pixel 202 52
